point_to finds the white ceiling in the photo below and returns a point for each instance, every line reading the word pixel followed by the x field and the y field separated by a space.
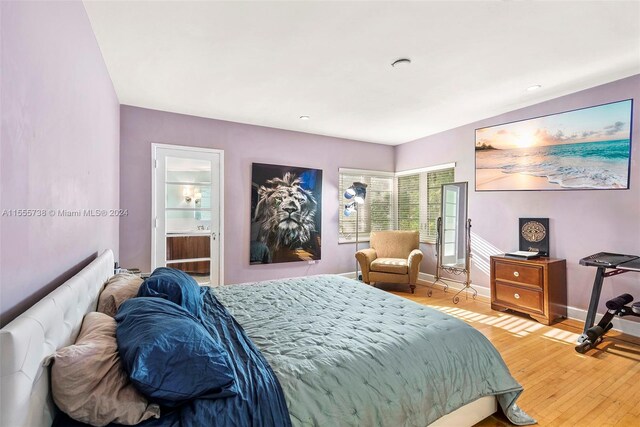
pixel 267 63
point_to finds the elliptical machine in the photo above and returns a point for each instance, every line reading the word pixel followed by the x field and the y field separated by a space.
pixel 617 306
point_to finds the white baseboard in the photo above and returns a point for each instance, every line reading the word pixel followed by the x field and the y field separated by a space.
pixel 629 327
pixel 626 326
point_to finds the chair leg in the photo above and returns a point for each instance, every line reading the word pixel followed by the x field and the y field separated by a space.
pixel 413 288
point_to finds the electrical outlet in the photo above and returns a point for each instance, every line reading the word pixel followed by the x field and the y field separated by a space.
pixel 313 261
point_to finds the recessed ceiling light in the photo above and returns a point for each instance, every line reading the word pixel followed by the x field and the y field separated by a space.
pixel 402 62
pixel 534 87
pixel 304 117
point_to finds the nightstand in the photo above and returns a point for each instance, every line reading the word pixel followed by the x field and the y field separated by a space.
pixel 537 287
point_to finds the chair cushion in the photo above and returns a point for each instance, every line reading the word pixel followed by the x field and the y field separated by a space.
pixel 394 244
pixel 390 265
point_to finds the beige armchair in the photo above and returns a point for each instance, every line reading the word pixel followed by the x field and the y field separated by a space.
pixel 393 257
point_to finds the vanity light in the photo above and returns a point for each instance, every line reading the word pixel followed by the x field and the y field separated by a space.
pixel 190 195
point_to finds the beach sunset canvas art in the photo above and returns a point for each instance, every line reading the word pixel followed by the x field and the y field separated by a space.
pixel 589 148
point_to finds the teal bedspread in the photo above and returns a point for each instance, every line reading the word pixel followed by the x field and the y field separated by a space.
pixel 347 354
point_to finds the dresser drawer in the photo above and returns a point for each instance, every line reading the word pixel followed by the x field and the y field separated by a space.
pixel 531 275
pixel 536 287
pixel 519 298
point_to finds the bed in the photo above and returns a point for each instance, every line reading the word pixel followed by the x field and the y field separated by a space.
pixel 323 338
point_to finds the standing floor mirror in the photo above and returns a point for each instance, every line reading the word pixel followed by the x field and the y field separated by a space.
pixel 453 244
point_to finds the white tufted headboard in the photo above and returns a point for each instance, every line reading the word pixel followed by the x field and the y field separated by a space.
pixel 52 323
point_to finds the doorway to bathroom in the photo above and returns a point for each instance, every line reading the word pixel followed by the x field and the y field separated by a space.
pixel 187 211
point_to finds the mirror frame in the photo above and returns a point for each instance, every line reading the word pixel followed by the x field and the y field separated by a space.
pixel 455 269
pixel 462 231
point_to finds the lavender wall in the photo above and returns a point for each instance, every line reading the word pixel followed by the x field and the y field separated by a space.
pixel 581 222
pixel 242 145
pixel 60 144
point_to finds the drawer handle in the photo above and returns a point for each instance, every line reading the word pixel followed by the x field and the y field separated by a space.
pixel 515 273
pixel 516 296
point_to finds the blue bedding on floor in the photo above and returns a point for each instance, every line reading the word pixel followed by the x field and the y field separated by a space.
pixel 260 401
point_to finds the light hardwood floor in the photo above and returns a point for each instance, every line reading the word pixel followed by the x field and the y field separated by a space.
pixel 561 387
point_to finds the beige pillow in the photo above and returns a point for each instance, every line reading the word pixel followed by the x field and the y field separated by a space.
pixel 89 383
pixel 119 288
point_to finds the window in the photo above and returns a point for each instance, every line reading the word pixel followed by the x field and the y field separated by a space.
pixel 409 202
pixel 416 201
pixel 419 198
pixel 377 212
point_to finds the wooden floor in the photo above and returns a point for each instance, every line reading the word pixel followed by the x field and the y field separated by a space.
pixel 561 387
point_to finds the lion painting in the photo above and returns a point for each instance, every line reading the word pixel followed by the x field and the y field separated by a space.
pixel 285 220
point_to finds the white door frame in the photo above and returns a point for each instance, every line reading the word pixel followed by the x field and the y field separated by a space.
pixel 154 148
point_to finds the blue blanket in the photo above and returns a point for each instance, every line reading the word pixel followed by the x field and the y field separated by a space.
pixel 260 401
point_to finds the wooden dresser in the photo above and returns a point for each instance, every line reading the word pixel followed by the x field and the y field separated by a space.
pixel 537 287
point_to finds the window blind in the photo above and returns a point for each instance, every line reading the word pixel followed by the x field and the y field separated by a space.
pixel 377 212
pixel 419 198
pixel 409 202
